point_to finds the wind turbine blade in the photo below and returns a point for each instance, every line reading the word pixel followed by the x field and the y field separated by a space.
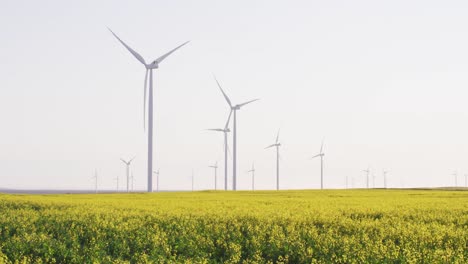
pixel 272 145
pixel 132 159
pixel 215 129
pixel 224 94
pixel 277 136
pixel 137 56
pixel 318 155
pixel 144 100
pixel 123 160
pixel 227 122
pixel 160 59
pixel 251 101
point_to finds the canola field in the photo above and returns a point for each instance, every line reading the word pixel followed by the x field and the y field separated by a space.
pixel 331 226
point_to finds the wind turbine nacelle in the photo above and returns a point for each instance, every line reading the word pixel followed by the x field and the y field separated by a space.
pixel 153 65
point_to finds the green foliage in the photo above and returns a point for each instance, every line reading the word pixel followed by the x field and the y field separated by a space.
pixel 336 226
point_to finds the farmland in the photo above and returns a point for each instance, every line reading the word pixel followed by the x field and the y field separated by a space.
pixel 339 226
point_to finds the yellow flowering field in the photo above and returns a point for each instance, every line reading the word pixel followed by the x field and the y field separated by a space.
pixel 310 226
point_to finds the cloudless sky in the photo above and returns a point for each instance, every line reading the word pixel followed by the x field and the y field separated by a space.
pixel 384 83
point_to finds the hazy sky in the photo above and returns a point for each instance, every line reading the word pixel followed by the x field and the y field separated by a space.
pixel 385 84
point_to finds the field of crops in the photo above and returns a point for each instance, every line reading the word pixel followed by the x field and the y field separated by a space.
pixel 335 226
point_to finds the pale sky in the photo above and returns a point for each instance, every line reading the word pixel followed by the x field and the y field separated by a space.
pixel 385 84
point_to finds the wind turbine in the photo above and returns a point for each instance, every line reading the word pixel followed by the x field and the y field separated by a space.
pixel 277 145
pixel 253 176
pixel 128 163
pixel 321 154
pixel 367 176
pixel 215 167
pixel 192 180
pixel 385 178
pixel 225 130
pixel 149 69
pixel 157 179
pixel 117 181
pixel 234 108
pixel 95 177
pixel 455 176
pixel 133 179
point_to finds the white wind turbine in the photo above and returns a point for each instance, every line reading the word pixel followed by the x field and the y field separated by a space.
pixel 128 163
pixel 321 154
pixel 385 178
pixel 277 144
pixel 367 171
pixel 253 176
pixel 116 179
pixel 157 179
pixel 225 131
pixel 215 167
pixel 95 177
pixel 455 175
pixel 149 69
pixel 192 180
pixel 234 108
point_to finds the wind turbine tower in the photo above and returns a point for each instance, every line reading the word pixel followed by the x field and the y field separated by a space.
pixel 367 177
pixel 192 180
pixel 128 163
pixel 321 154
pixel 385 178
pixel 215 168
pixel 157 179
pixel 234 109
pixel 253 176
pixel 117 181
pixel 149 71
pixel 455 177
pixel 95 177
pixel 277 144
pixel 225 131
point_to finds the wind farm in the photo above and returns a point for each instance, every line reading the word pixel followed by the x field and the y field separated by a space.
pixel 271 132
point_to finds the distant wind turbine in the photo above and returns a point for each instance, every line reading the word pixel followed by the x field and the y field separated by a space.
pixel 128 163
pixel 367 176
pixel 149 69
pixel 321 154
pixel 95 177
pixel 277 145
pixel 215 167
pixel 192 180
pixel 117 181
pixel 455 176
pixel 225 130
pixel 373 180
pixel 385 178
pixel 234 109
pixel 157 179
pixel 253 176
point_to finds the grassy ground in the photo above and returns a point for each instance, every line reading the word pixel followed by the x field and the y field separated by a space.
pixel 331 226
